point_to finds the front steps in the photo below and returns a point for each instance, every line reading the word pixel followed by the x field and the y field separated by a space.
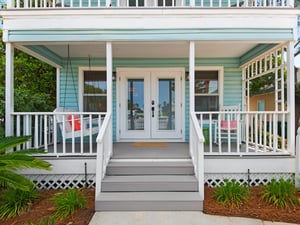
pixel 149 185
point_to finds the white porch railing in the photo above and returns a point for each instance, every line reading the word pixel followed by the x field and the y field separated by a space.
pixel 35 4
pixel 104 150
pixel 255 133
pixel 197 152
pixel 59 137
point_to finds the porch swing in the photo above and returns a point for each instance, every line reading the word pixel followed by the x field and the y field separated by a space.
pixel 73 125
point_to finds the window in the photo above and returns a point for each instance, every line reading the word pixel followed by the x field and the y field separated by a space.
pixel 207 91
pixel 94 91
pixel 166 2
pixel 134 3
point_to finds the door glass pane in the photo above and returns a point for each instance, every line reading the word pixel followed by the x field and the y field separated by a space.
pixel 135 100
pixel 166 97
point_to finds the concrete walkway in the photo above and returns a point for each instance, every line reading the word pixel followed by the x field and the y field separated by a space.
pixel 171 218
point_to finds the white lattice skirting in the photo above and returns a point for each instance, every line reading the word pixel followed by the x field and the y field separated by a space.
pixel 251 179
pixel 63 181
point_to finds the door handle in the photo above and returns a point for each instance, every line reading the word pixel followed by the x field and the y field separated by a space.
pixel 152 108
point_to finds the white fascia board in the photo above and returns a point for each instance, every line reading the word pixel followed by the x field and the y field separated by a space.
pixel 275 164
pixel 149 18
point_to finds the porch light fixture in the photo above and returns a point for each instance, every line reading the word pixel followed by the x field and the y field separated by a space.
pixel 187 76
pixel 114 76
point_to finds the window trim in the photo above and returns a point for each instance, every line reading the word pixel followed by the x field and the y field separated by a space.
pixel 81 70
pixel 220 70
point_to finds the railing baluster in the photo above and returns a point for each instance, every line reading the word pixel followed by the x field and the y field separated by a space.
pixel 36 131
pixel 210 132
pixel 55 139
pixel 91 133
pixel 265 132
pixel 45 133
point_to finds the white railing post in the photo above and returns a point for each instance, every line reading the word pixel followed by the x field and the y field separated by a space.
pixel 104 149
pixel 297 172
pixel 197 152
pixel 99 167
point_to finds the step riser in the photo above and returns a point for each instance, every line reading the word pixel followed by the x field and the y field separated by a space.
pixel 149 206
pixel 115 171
pixel 149 186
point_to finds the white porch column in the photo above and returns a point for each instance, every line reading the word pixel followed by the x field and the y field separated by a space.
pixel 291 98
pixel 9 89
pixel 192 75
pixel 57 86
pixel 109 76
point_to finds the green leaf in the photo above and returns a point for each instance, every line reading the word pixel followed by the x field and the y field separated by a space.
pixel 14 180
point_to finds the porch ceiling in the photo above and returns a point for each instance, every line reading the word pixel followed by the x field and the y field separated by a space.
pixel 207 49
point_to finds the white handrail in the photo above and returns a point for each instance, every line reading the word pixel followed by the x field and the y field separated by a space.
pixel 104 150
pixel 197 152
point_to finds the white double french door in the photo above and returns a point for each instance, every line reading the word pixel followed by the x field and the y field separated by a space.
pixel 150 103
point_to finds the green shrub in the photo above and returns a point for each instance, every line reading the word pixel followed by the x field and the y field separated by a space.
pixel 49 220
pixel 67 202
pixel 280 193
pixel 15 201
pixel 231 193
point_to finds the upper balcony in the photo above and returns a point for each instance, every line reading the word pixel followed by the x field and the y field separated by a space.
pixel 58 4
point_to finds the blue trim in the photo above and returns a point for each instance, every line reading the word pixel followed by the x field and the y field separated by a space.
pixel 256 51
pixel 220 34
pixel 47 53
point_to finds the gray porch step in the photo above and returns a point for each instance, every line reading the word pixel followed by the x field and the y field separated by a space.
pixel 150 168
pixel 152 201
pixel 153 183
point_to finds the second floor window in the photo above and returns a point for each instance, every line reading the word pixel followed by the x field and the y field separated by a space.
pixel 94 91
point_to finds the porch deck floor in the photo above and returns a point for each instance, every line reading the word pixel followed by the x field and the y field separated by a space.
pixel 170 150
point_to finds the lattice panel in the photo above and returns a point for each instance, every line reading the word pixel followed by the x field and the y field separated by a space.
pixel 251 179
pixel 62 181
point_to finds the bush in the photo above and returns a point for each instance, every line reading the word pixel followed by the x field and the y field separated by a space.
pixel 280 193
pixel 232 193
pixel 48 220
pixel 67 202
pixel 15 201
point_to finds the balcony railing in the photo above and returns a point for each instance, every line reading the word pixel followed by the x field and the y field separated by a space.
pixel 250 133
pixel 35 4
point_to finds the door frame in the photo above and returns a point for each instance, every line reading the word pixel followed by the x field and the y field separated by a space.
pixel 119 71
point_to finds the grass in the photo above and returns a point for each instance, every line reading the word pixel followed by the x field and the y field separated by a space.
pixel 280 193
pixel 232 194
pixel 67 202
pixel 14 201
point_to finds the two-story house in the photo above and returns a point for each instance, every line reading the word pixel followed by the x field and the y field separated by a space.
pixel 153 96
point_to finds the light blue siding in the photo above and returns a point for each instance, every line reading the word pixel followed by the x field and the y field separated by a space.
pixel 232 81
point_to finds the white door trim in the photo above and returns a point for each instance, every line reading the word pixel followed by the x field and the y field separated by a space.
pixel 121 72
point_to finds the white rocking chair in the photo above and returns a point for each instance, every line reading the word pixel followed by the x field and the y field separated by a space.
pixel 73 126
pixel 228 125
